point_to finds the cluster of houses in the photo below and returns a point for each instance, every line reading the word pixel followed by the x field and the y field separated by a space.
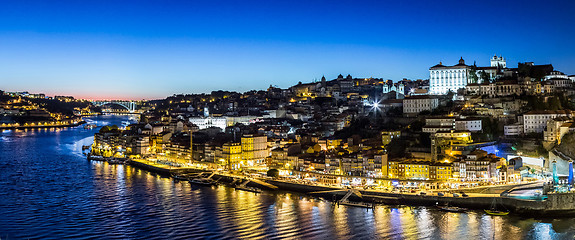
pixel 444 122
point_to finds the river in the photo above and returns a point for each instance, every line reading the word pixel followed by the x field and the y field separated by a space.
pixel 48 190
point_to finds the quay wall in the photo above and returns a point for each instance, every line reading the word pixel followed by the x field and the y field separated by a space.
pixel 556 204
pixel 488 189
pixel 42 126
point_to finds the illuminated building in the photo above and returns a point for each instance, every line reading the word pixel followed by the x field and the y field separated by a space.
pixel 443 79
pixel 414 169
pixel 285 157
pixel 415 104
pixel 231 155
pixel 387 136
pixel 380 161
pixel 536 121
pixel 254 149
pixel 442 142
pixel 393 169
pixel 440 171
pixel 478 166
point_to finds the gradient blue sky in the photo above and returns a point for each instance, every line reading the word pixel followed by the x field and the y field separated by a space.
pixel 153 49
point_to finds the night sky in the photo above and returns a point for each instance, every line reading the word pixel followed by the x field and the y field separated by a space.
pixel 153 49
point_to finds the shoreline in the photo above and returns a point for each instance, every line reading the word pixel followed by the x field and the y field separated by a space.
pixel 43 126
pixel 556 205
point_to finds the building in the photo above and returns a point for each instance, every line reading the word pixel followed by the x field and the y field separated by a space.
pixel 415 170
pixel 513 130
pixel 556 129
pixel 286 157
pixel 440 171
pixel 495 89
pixel 416 104
pixel 435 124
pixel 468 124
pixel 498 62
pixel 388 136
pixel 556 75
pixel 393 169
pixel 254 149
pixel 443 79
pixel 381 165
pixel 536 121
pixel 478 166
pixel 444 142
pixel 231 156
pixel 208 122
pixel 389 86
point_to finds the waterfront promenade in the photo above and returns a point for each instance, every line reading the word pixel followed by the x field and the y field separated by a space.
pixel 41 125
pixel 471 200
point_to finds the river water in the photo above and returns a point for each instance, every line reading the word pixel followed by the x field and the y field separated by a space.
pixel 48 190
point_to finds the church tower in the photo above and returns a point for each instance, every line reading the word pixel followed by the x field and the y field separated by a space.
pixel 498 62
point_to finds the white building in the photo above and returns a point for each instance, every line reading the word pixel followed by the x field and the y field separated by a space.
pixel 536 121
pixel 498 62
pixel 207 122
pixel 557 128
pixel 389 86
pixel 443 79
pixel 416 104
pixel 469 124
pixel 556 75
pixel 513 130
pixel 560 82
pixel 226 121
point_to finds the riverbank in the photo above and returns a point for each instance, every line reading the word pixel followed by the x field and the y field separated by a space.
pixel 553 205
pixel 42 126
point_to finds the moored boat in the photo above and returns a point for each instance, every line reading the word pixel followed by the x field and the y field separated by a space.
pixel 357 204
pixel 179 177
pixel 452 209
pixel 496 212
pixel 202 181
pixel 249 189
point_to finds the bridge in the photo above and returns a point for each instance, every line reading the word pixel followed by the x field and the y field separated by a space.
pixel 129 105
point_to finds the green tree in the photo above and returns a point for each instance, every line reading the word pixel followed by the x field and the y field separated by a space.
pixel 484 77
pixel 112 128
pixel 554 103
pixel 473 73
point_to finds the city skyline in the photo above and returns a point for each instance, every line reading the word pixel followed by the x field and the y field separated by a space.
pixel 152 50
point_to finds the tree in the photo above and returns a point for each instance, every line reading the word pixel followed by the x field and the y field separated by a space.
pixel 450 95
pixel 484 77
pixel 554 103
pixel 396 148
pixel 473 73
pixel 112 128
pixel 274 173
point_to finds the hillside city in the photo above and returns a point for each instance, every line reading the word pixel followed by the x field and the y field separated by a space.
pixel 465 126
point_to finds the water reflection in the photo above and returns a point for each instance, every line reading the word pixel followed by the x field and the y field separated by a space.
pixel 49 190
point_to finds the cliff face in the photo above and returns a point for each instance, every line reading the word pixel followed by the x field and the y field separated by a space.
pixel 567 145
